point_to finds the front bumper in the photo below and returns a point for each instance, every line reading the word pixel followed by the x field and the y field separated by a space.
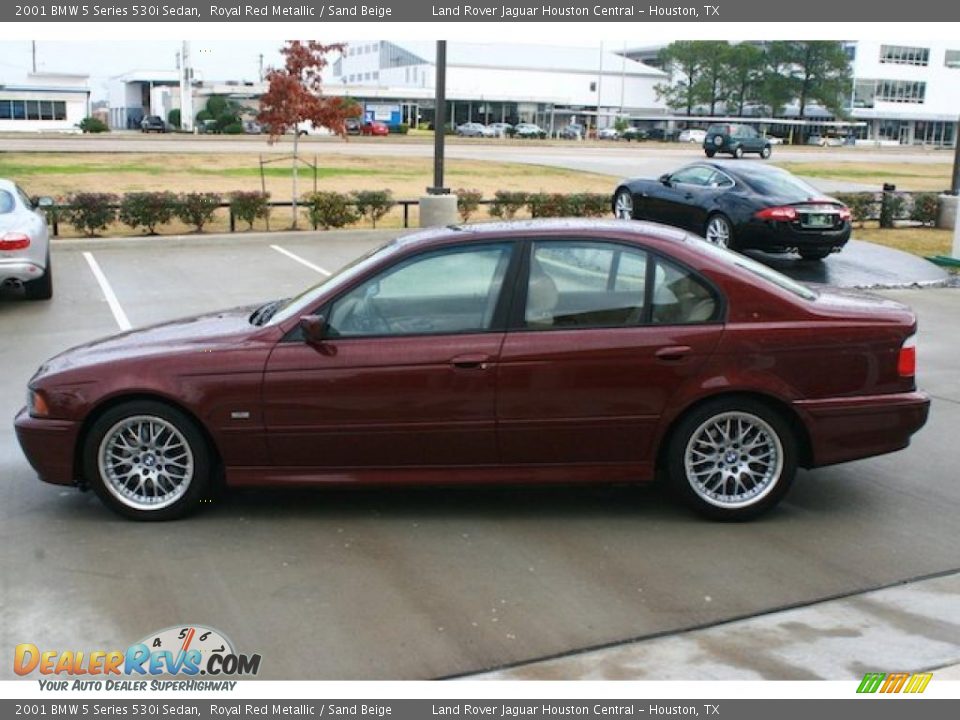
pixel 843 429
pixel 22 270
pixel 49 446
pixel 780 236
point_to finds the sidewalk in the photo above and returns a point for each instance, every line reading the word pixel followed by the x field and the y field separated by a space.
pixel 911 627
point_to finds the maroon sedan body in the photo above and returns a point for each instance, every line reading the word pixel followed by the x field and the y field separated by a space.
pixel 374 127
pixel 523 352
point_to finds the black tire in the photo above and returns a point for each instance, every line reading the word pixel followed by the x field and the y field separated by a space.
pixel 710 153
pixel 814 254
pixel 42 287
pixel 735 509
pixel 738 152
pixel 766 152
pixel 624 195
pixel 199 482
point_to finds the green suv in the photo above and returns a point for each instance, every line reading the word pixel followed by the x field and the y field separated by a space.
pixel 735 140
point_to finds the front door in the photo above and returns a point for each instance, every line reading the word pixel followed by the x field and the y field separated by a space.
pixel 406 375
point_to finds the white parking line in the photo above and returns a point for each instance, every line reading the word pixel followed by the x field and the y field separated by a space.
pixel 118 314
pixel 315 268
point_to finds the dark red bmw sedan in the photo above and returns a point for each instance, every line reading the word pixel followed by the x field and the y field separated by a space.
pixel 553 351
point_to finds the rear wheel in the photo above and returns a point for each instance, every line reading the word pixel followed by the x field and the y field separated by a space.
pixel 765 153
pixel 623 205
pixel 719 231
pixel 42 287
pixel 738 152
pixel 147 461
pixel 814 254
pixel 732 458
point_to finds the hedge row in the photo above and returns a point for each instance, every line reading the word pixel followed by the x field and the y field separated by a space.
pixel 91 213
pixel 886 208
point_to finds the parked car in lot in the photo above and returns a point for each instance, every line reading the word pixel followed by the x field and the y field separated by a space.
pixel 500 129
pixel 252 127
pixel 374 127
pixel 735 139
pixel 153 123
pixel 24 243
pixel 660 134
pixel 573 131
pixel 634 133
pixel 353 126
pixel 554 351
pixel 825 140
pixel 608 133
pixel 528 130
pixel 474 129
pixel 740 206
pixel 692 135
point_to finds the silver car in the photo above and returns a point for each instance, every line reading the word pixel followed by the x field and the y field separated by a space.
pixel 474 129
pixel 24 243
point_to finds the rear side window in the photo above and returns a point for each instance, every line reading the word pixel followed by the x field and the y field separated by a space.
pixel 6 202
pixel 680 297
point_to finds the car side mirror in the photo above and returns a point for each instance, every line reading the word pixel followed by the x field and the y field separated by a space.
pixel 43 202
pixel 665 179
pixel 314 328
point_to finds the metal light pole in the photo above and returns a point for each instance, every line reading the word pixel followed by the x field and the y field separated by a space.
pixel 440 121
pixel 439 206
pixel 955 191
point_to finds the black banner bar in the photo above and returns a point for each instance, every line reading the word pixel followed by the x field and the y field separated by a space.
pixel 642 11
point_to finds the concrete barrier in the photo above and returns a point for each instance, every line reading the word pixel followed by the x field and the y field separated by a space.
pixel 947 211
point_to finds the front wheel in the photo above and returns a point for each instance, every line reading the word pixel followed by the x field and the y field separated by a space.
pixel 623 205
pixel 147 461
pixel 719 231
pixel 738 152
pixel 765 153
pixel 732 459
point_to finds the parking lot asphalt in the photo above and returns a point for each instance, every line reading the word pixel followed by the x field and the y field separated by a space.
pixel 427 582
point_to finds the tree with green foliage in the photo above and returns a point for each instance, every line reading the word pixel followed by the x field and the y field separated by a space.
pixel 775 88
pixel 712 88
pixel 744 73
pixel 684 62
pixel 821 73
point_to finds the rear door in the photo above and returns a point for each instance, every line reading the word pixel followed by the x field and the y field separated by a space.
pixel 603 334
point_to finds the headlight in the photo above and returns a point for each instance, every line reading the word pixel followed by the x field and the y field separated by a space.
pixel 37 404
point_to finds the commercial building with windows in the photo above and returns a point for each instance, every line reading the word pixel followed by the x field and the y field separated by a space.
pixel 54 102
pixel 907 93
pixel 499 82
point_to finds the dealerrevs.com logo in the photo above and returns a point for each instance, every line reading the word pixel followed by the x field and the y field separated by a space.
pixel 183 650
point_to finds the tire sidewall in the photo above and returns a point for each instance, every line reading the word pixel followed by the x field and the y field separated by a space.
pixel 681 434
pixel 731 240
pixel 738 152
pixel 633 210
pixel 766 152
pixel 199 484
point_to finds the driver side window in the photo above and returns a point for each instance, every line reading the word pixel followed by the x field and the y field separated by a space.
pixel 448 291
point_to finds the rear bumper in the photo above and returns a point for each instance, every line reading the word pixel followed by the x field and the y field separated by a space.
pixel 843 429
pixel 22 270
pixel 49 446
pixel 778 236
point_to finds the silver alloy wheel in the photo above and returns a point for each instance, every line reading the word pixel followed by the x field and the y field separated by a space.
pixel 145 462
pixel 623 206
pixel 733 460
pixel 718 231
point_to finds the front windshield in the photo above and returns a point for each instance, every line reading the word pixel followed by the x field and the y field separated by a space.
pixel 759 269
pixel 298 305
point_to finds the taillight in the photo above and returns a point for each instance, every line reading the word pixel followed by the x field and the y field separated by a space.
pixel 907 361
pixel 777 213
pixel 845 214
pixel 14 241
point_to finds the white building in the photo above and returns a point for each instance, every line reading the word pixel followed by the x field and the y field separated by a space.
pixel 501 82
pixel 44 101
pixel 907 93
pixel 138 93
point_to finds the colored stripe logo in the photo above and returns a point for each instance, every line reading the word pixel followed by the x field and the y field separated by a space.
pixel 894 682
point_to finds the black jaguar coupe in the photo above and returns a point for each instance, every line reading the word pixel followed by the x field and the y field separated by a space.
pixel 740 206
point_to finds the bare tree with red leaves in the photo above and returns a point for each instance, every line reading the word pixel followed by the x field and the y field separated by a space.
pixel 295 96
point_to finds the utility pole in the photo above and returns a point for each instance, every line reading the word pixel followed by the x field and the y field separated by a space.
pixel 439 207
pixel 186 89
pixel 33 48
pixel 955 191
pixel 261 68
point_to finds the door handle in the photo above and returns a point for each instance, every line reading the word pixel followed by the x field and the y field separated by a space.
pixel 470 362
pixel 673 352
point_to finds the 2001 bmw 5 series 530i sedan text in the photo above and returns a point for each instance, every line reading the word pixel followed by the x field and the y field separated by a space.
pixel 551 351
